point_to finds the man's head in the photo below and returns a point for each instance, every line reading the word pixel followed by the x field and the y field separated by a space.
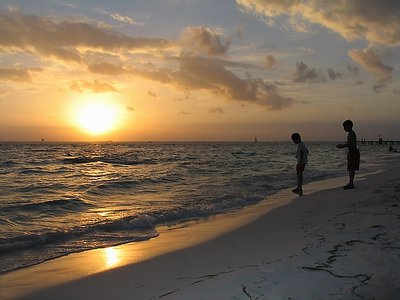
pixel 296 138
pixel 347 125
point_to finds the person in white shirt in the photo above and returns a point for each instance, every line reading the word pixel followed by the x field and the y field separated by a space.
pixel 302 159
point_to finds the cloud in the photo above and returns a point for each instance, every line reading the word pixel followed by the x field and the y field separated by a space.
pixel 107 68
pixel 332 74
pixel 130 108
pixel 124 19
pixel 95 86
pixel 270 62
pixel 372 20
pixel 354 70
pixel 212 75
pixel 359 82
pixel 65 40
pixel 304 73
pixel 202 40
pixel 216 110
pixel 372 62
pixel 378 88
pixel 150 93
pixel 17 74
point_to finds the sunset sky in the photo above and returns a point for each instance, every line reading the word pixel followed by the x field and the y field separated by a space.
pixel 198 69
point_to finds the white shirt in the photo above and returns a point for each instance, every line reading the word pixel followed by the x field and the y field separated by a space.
pixel 302 153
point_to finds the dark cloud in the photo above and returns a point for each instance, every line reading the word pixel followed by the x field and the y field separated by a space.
pixel 332 74
pixel 304 73
pixel 202 40
pixel 130 108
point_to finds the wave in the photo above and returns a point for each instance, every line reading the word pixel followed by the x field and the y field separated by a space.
pixel 8 163
pixel 35 188
pixel 106 159
pixel 106 233
pixel 68 204
pixel 39 170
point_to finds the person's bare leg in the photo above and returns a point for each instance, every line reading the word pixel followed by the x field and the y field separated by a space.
pixel 300 180
pixel 352 173
pixel 350 185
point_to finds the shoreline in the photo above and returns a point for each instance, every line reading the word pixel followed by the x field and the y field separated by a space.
pixel 195 240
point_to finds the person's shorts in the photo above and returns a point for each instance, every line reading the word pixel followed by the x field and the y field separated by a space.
pixel 300 167
pixel 353 160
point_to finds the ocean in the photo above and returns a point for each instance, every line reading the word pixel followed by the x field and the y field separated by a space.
pixel 60 198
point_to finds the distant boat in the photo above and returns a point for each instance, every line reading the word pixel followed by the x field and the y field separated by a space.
pixel 255 140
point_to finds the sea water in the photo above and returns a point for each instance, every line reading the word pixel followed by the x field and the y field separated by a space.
pixel 59 198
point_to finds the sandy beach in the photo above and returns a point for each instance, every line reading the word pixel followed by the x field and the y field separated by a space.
pixel 328 244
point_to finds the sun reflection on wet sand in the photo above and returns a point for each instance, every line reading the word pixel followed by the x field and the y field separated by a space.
pixel 112 257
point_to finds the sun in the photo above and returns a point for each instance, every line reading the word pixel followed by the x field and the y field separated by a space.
pixel 96 116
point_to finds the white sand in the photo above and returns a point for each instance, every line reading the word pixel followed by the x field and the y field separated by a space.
pixel 331 244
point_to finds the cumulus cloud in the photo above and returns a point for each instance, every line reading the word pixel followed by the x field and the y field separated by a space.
pixel 202 40
pixel 304 73
pixel 95 86
pixel 17 74
pixel 213 75
pixel 372 62
pixel 64 40
pixel 375 21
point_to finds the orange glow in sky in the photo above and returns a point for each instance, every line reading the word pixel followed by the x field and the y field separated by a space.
pixel 96 116
pixel 198 70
